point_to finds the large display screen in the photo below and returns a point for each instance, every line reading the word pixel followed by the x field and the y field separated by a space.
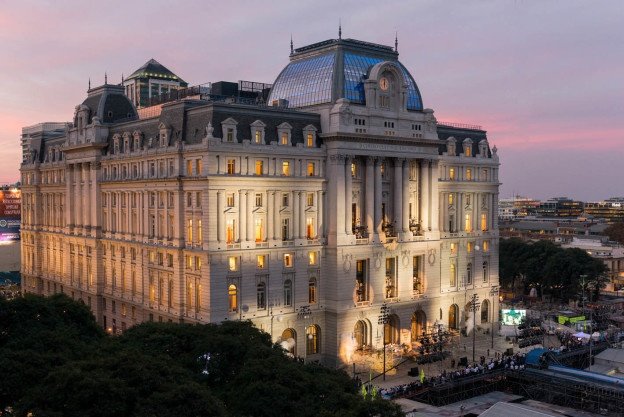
pixel 10 214
pixel 512 317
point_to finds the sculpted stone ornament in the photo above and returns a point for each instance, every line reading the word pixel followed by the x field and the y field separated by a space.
pixel 209 130
pixel 431 258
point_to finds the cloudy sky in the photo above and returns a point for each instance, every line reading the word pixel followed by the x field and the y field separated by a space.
pixel 545 78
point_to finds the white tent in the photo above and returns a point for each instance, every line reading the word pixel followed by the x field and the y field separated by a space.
pixel 581 335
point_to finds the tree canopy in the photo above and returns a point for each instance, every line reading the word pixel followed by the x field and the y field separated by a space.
pixel 615 231
pixel 554 271
pixel 56 361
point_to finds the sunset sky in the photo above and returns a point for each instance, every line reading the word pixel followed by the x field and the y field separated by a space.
pixel 544 78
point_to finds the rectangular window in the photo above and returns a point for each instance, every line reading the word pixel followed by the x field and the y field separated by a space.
pixel 453 248
pixel 312 258
pixel 451 173
pixel 189 231
pixel 311 169
pixel 189 168
pixel 198 199
pixel 310 140
pixel 230 200
pixel 453 275
pixel 259 231
pixel 417 284
pixel 484 225
pixel 310 199
pixel 310 229
pixel 353 170
pixel 261 261
pixel 285 200
pixel 284 139
pixel 230 135
pixel 230 231
pixel 288 260
pixel 199 232
pixel 468 174
pixel 468 222
pixel 285 168
pixel 469 247
pixel 233 263
pixel 257 136
pixel 258 200
pixel 391 281
pixel 285 229
pixel 198 166
pixel 231 166
pixel 486 246
pixel 361 278
pixel 259 167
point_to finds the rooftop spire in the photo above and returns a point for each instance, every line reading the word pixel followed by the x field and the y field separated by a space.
pixel 396 41
pixel 339 29
pixel 122 80
pixel 89 83
pixel 291 45
pixel 105 78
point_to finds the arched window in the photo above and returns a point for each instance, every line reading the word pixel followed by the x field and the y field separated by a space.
pixel 313 334
pixel 360 334
pixel 261 296
pixel 485 272
pixel 485 311
pixel 453 317
pixel 289 341
pixel 419 325
pixel 288 292
pixel 233 297
pixel 469 273
pixel 312 291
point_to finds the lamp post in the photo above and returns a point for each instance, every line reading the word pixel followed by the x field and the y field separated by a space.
pixel 383 320
pixel 494 294
pixel 474 306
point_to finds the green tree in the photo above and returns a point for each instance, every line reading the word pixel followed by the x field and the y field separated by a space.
pixel 615 231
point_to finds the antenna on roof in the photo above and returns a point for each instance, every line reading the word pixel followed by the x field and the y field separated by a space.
pixel 291 45
pixel 396 41
pixel 89 83
pixel 105 78
pixel 122 78
pixel 339 29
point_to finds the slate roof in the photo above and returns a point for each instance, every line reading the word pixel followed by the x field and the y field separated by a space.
pixel 154 69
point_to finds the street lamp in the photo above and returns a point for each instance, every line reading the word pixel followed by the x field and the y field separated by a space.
pixel 474 306
pixel 494 294
pixel 383 320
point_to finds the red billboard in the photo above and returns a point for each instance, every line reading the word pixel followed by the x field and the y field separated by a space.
pixel 10 214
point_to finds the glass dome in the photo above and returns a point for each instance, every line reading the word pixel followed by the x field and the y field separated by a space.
pixel 334 69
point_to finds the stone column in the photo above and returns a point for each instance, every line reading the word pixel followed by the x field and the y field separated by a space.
pixel 398 195
pixel 302 214
pixel 406 196
pixel 242 212
pixel 276 213
pixel 378 196
pixel 459 213
pixel 86 172
pixel 249 215
pixel 270 216
pixel 78 195
pixel 435 196
pixel 348 196
pixel 424 195
pixel 95 206
pixel 296 214
pixel 220 217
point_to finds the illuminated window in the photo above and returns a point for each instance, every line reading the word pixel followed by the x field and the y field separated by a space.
pixel 199 231
pixel 450 199
pixel 233 298
pixel 484 225
pixel 468 223
pixel 231 166
pixel 233 263
pixel 484 175
pixel 468 150
pixel 258 137
pixel 310 140
pixel 261 261
pixel 230 135
pixel 284 139
pixel 312 258
pixel 285 168
pixel 312 290
pixel 288 260
pixel 189 231
pixel 453 276
pixel 312 340
pixel 310 229
pixel 452 173
pixel 198 166
pixel 259 167
pixel 361 280
pixel 453 248
pixel 310 199
pixel 469 247
pixel 230 200
pixel 486 246
pixel 189 168
pixel 311 169
pixel 259 232
pixel 353 170
pixel 230 231
pixel 468 174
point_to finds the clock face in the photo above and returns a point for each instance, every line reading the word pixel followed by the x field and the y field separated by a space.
pixel 384 83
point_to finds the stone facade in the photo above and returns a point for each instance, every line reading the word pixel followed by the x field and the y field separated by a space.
pixel 304 221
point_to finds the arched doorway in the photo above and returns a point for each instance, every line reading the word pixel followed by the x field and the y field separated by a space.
pixel 419 325
pixel 391 330
pixel 360 333
pixel 453 319
pixel 289 341
pixel 485 311
pixel 313 336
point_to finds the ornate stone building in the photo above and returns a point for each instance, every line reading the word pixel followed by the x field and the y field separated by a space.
pixel 304 215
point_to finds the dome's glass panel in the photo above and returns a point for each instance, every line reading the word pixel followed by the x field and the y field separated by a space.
pixel 356 69
pixel 306 82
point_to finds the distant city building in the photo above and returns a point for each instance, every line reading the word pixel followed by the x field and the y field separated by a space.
pixel 517 207
pixel 556 230
pixel 34 135
pixel 560 207
pixel 611 255
pixel 611 209
pixel 307 216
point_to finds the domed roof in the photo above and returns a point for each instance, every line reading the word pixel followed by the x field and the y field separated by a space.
pixel 327 71
pixel 109 103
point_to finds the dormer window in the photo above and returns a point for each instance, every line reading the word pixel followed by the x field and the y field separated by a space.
pixel 284 134
pixel 257 132
pixel 450 146
pixel 137 138
pixel 483 148
pixel 309 134
pixel 164 135
pixel 228 127
pixel 126 142
pixel 467 147
pixel 116 143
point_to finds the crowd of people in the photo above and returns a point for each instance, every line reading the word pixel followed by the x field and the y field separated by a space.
pixel 499 362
